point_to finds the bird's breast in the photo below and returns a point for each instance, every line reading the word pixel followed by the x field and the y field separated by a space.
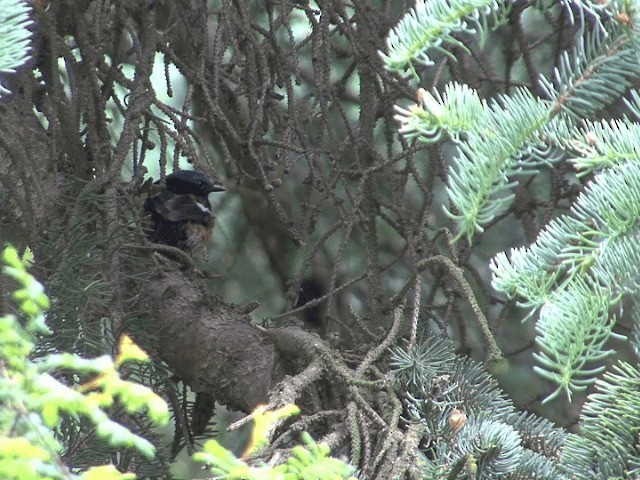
pixel 197 235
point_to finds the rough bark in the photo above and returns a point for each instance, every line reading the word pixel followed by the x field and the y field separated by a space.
pixel 210 344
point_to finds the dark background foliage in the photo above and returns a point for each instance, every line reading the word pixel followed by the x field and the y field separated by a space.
pixel 329 224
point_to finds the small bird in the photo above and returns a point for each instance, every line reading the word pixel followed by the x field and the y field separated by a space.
pixel 181 214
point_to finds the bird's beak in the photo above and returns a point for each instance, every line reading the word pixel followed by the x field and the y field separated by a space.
pixel 218 188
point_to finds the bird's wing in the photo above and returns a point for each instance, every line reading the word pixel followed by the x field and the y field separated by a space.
pixel 176 208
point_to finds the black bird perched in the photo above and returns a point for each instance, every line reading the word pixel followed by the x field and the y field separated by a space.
pixel 181 214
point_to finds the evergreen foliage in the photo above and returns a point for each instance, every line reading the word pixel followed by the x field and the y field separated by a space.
pixel 575 275
pixel 262 84
pixel 468 425
pixel 608 441
pixel 15 37
pixel 470 428
pixel 35 398
pixel 310 461
pixel 32 441
pixel 429 25
pixel 583 262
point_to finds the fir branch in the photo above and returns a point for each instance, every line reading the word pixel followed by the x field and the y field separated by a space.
pixel 494 445
pixel 634 103
pixel 573 329
pixel 517 132
pixel 591 241
pixel 511 135
pixel 605 144
pixel 418 365
pixel 509 141
pixel 610 420
pixel 432 23
pixel 470 427
pixel 635 334
pixel 538 434
pixel 456 112
pixel 15 36
pixel 577 269
pixel 579 11
pixel 533 465
pixel 452 382
pixel 479 391
pixel 596 73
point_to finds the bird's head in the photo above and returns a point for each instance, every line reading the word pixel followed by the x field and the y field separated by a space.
pixel 185 182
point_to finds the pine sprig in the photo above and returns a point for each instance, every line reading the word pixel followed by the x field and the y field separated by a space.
pixel 575 272
pixel 451 115
pixel 580 266
pixel 430 24
pixel 594 74
pixel 538 434
pixel 494 445
pixel 508 143
pixel 573 328
pixel 470 427
pixel 604 144
pixel 15 37
pixel 610 422
pixel 589 241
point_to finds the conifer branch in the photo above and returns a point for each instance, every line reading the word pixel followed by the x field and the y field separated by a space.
pixel 15 37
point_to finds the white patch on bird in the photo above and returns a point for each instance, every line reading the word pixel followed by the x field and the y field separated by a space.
pixel 203 208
